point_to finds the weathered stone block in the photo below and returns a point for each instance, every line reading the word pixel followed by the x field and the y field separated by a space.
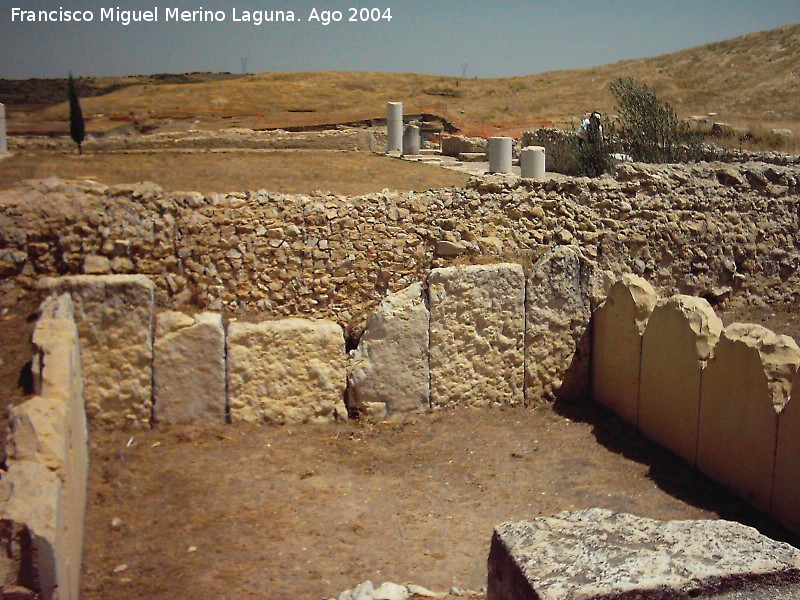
pixel 746 384
pixel 617 329
pixel 597 554
pixel 477 335
pixel 786 490
pixel 189 368
pixel 559 306
pixel 37 432
pixel 678 341
pixel 390 365
pixel 113 314
pixel 29 520
pixel 287 371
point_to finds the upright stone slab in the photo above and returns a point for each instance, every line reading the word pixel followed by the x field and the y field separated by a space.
pixel 678 341
pixel 746 384
pixel 113 314
pixel 559 307
pixel 3 138
pixel 189 368
pixel 287 371
pixel 617 329
pixel 786 490
pixel 600 555
pixel 477 335
pixel 389 369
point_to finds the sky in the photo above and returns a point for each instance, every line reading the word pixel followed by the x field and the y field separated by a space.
pixel 441 37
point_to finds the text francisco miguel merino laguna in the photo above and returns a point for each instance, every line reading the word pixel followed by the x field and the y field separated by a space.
pixel 157 14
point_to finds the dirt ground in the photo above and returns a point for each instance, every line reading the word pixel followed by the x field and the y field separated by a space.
pixel 305 512
pixel 286 171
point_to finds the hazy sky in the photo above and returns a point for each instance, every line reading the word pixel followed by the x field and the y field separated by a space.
pixel 513 37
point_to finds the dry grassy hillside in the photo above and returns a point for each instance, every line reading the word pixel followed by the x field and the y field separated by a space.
pixel 749 80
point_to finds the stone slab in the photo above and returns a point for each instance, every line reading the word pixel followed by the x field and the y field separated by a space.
pixel 390 365
pixel 113 314
pixel 746 384
pixel 617 329
pixel 678 341
pixel 559 301
pixel 598 554
pixel 286 371
pixel 477 335
pixel 189 368
pixel 786 489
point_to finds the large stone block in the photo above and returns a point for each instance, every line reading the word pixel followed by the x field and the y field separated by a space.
pixel 786 490
pixel 189 368
pixel 559 296
pixel 746 384
pixel 390 365
pixel 113 314
pixel 617 329
pixel 477 335
pixel 597 554
pixel 678 341
pixel 38 433
pixel 287 371
pixel 29 521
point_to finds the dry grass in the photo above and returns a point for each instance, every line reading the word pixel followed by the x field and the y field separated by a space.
pixel 753 79
pixel 290 171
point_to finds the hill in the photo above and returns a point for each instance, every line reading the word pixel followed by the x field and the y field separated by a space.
pixel 748 80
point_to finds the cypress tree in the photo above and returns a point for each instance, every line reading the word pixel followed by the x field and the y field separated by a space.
pixel 77 129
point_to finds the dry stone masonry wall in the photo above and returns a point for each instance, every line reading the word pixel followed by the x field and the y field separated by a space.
pixel 725 400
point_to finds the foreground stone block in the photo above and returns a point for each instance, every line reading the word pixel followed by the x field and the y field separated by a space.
pixel 113 314
pixel 678 341
pixel 189 368
pixel 597 554
pixel 37 432
pixel 617 329
pixel 287 371
pixel 559 307
pixel 786 490
pixel 477 335
pixel 390 365
pixel 29 520
pixel 746 384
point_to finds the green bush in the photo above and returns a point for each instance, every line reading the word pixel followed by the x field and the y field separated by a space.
pixel 649 131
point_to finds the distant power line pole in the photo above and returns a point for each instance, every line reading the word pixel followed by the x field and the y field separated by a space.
pixel 463 69
pixel 244 65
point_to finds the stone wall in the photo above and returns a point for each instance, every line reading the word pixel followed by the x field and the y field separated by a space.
pixel 687 229
pixel 723 399
pixel 43 490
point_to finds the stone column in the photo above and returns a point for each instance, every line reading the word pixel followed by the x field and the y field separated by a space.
pixel 3 142
pixel 500 150
pixel 531 162
pixel 411 140
pixel 394 127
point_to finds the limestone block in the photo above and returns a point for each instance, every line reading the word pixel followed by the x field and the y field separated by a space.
pixel 559 297
pixel 477 335
pixel 786 490
pixel 678 341
pixel 287 371
pixel 113 314
pixel 617 329
pixel 37 432
pixel 29 515
pixel 390 365
pixel 746 384
pixel 603 555
pixel 189 368
pixel 56 364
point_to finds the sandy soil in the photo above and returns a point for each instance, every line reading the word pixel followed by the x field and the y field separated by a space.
pixel 306 512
